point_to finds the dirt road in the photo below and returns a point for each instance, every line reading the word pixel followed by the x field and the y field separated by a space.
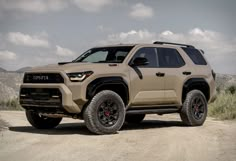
pixel 153 139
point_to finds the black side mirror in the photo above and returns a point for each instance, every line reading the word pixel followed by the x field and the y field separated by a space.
pixel 139 61
pixel 63 63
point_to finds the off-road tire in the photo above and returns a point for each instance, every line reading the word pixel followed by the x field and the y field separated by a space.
pixel 92 114
pixel 188 110
pixel 41 122
pixel 134 119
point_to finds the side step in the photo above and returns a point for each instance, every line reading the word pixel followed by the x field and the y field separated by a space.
pixel 160 110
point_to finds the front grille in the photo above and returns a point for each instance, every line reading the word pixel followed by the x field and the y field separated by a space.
pixel 40 97
pixel 43 78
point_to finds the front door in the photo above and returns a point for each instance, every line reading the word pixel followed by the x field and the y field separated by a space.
pixel 147 85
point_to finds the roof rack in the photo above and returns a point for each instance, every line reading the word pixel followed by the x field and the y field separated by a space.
pixel 169 43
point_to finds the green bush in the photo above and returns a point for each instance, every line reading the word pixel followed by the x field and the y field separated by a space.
pixel 218 89
pixel 224 106
pixel 231 89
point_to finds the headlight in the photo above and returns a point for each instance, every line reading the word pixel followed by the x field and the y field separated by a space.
pixel 79 77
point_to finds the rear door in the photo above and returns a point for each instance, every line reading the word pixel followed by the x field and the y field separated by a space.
pixel 176 71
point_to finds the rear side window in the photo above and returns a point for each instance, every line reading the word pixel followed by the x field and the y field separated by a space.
pixel 195 56
pixel 169 58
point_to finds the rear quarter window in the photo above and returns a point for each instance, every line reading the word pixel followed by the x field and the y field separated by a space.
pixel 195 56
pixel 169 58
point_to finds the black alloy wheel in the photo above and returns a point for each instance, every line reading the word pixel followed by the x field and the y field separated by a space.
pixel 198 108
pixel 108 113
pixel 194 109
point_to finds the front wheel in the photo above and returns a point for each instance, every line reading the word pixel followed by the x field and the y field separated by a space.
pixel 105 114
pixel 194 110
pixel 41 122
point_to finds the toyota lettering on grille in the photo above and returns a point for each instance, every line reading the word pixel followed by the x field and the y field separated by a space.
pixel 40 77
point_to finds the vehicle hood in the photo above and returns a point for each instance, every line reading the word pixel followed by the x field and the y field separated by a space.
pixel 73 67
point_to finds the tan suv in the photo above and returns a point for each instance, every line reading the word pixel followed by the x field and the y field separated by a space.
pixel 108 85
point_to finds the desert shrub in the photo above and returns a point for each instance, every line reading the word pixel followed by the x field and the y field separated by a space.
pixel 231 89
pixel 218 89
pixel 224 106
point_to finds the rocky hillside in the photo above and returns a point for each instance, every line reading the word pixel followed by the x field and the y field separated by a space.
pixel 10 83
pixel 225 80
pixel 2 70
pixel 24 69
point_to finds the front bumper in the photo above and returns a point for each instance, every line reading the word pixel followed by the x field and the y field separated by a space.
pixel 64 101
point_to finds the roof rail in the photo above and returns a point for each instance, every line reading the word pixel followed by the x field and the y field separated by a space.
pixel 169 43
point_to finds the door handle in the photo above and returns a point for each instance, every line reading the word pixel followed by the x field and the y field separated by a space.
pixel 186 73
pixel 159 74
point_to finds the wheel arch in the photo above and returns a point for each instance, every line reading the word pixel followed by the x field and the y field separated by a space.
pixel 116 84
pixel 197 84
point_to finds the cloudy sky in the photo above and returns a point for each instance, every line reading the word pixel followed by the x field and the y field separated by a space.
pixel 39 32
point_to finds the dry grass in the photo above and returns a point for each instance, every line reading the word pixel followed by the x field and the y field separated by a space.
pixel 12 104
pixel 224 107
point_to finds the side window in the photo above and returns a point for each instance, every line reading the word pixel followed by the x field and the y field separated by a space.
pixel 169 58
pixel 120 56
pixel 150 54
pixel 195 56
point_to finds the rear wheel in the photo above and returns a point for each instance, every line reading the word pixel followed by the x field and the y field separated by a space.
pixel 194 110
pixel 41 122
pixel 105 114
pixel 137 118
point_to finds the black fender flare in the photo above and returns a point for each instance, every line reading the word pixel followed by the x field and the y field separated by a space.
pixel 104 81
pixel 193 83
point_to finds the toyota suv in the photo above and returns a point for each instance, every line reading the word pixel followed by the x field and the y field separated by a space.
pixel 109 85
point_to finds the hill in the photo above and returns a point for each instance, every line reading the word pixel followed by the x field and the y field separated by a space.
pixel 24 69
pixel 2 70
pixel 9 85
pixel 225 80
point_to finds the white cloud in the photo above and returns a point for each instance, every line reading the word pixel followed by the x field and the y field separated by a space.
pixel 64 51
pixel 220 50
pixel 206 39
pixel 133 36
pixel 141 11
pixel 33 6
pixel 92 5
pixel 44 6
pixel 18 38
pixel 7 55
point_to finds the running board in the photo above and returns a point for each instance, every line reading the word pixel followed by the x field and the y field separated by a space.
pixel 160 111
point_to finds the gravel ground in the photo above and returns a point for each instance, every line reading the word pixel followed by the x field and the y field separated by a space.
pixel 156 138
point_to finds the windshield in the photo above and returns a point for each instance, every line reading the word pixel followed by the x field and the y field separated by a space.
pixel 105 55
